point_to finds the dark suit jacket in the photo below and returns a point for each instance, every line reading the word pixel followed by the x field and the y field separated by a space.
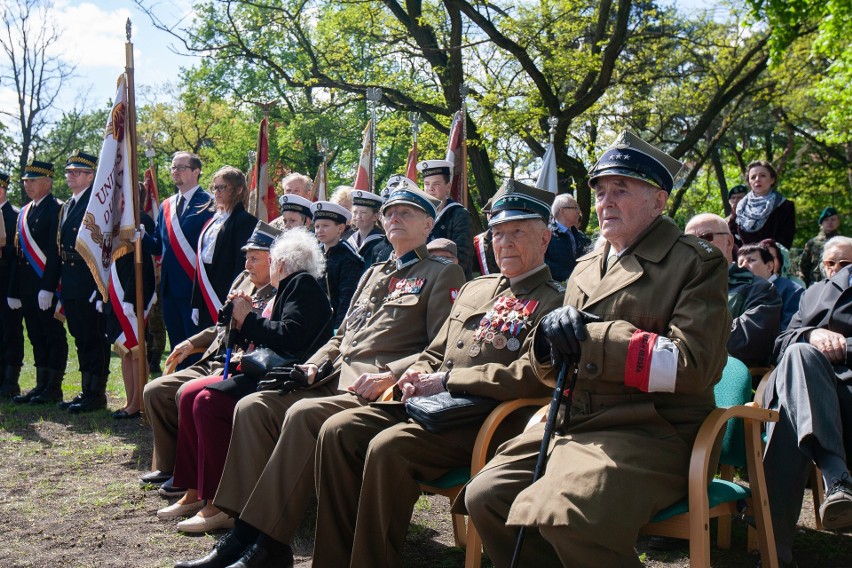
pixel 454 223
pixel 228 260
pixel 77 280
pixel 756 311
pixel 791 295
pixel 173 280
pixel 343 270
pixel 43 222
pixel 827 305
pixel 8 256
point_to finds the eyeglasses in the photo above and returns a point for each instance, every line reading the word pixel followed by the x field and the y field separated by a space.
pixel 709 236
pixel 221 188
pixel 180 168
pixel 569 207
pixel 830 264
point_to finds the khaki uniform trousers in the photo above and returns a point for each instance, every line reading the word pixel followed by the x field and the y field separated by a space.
pixel 378 454
pixel 255 431
pixel 161 397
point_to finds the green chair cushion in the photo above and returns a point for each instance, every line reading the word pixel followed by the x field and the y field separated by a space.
pixel 458 476
pixel 720 491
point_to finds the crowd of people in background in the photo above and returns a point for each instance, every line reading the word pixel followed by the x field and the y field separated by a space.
pixel 363 295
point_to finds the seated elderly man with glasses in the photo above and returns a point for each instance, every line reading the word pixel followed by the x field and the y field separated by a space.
pixel 811 387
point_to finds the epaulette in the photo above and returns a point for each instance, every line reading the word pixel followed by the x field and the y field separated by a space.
pixel 703 248
pixel 556 285
pixel 441 259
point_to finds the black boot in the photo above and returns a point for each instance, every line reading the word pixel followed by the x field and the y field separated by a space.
pixel 52 391
pixel 97 396
pixel 226 551
pixel 42 378
pixel 10 387
pixel 85 380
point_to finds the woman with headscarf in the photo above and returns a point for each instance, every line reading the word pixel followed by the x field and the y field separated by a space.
pixel 764 213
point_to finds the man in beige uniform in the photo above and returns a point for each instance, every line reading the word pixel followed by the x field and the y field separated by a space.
pixel 480 351
pixel 399 305
pixel 648 347
pixel 161 396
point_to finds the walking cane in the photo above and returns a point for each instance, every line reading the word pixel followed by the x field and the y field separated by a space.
pixel 552 413
pixel 228 348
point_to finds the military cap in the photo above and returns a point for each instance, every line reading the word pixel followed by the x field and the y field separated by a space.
pixel 736 190
pixel 516 201
pixel 81 161
pixel 331 211
pixel 399 181
pixel 435 167
pixel 367 199
pixel 35 169
pixel 262 237
pixel 443 245
pixel 293 202
pixel 414 197
pixel 826 213
pixel 632 157
pixel 4 179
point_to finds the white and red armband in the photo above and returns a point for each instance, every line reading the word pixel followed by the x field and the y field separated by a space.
pixel 651 363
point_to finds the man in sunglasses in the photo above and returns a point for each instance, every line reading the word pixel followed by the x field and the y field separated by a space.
pixel 754 304
pixel 811 387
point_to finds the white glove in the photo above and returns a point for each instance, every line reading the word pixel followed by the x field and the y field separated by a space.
pixel 138 233
pixel 45 299
pixel 93 296
pixel 14 303
pixel 194 316
pixel 128 309
pixel 99 307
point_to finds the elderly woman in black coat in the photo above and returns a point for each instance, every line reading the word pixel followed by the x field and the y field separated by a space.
pixel 298 322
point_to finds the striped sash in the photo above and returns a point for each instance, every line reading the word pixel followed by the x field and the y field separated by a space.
pixel 211 300
pixel 184 252
pixel 36 257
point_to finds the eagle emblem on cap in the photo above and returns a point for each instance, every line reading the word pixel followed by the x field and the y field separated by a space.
pixel 359 193
pixel 319 206
pixel 283 199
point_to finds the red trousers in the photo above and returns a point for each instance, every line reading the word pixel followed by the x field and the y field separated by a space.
pixel 205 418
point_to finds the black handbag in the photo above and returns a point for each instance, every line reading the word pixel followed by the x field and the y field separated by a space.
pixel 262 361
pixel 445 411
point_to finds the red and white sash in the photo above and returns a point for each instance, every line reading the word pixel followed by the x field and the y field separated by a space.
pixel 129 325
pixel 481 258
pixel 35 256
pixel 183 250
pixel 211 300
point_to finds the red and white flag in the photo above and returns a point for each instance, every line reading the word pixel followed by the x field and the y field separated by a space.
pixel 108 223
pixel 262 204
pixel 411 166
pixel 320 189
pixel 151 205
pixel 362 177
pixel 456 156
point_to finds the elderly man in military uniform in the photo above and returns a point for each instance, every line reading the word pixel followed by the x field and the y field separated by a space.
pixel 295 212
pixel 399 306
pixel 480 350
pixel 161 396
pixel 11 324
pixel 34 284
pixel 645 325
pixel 79 291
pixel 453 221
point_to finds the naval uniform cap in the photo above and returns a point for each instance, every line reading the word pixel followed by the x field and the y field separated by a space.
pixel 331 211
pixel 435 167
pixel 293 202
pixel 262 237
pixel 516 201
pixel 81 161
pixel 403 195
pixel 36 169
pixel 367 199
pixel 4 179
pixel 399 181
pixel 632 157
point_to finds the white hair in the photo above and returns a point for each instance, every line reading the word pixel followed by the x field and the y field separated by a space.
pixel 560 201
pixel 307 183
pixel 836 242
pixel 299 249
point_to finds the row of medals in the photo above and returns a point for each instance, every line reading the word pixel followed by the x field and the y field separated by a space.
pixel 505 316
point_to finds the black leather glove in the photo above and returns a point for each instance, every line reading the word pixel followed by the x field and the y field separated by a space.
pixel 564 330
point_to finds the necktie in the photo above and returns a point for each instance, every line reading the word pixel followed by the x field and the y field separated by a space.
pixel 181 202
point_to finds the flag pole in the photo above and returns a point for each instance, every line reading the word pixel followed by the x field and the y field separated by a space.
pixel 254 208
pixel 322 148
pixel 134 177
pixel 463 91
pixel 374 94
pixel 552 122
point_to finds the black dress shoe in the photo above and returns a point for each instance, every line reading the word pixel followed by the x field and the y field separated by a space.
pixel 256 556
pixel 124 415
pixel 168 489
pixel 155 477
pixel 226 550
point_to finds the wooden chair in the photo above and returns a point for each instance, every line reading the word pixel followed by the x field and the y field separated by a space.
pixel 451 483
pixel 715 497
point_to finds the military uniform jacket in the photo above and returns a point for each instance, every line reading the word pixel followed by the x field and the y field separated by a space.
pixel 755 307
pixel 491 368
pixel 343 268
pixel 8 255
pixel 214 337
pixel 398 307
pixel 454 223
pixel 75 276
pixel 43 222
pixel 827 305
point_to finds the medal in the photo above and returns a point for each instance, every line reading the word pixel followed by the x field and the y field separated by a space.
pixel 499 341
pixel 474 350
pixel 513 344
